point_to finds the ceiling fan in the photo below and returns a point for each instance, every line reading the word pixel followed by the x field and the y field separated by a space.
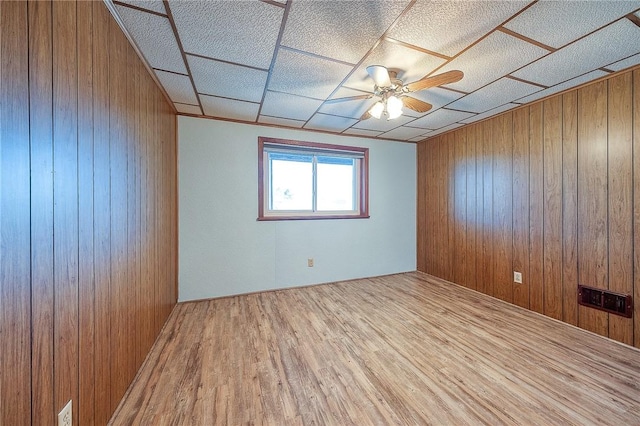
pixel 393 93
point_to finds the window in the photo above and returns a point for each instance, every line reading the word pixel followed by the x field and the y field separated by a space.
pixel 305 180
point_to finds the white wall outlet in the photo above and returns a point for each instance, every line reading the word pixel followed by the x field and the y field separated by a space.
pixel 517 277
pixel 310 262
pixel 65 416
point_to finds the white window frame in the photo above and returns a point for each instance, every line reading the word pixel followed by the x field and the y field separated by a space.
pixel 361 155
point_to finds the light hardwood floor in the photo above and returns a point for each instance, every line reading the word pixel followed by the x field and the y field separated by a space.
pixel 403 349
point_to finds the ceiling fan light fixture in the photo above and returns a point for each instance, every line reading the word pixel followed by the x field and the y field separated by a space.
pixel 394 107
pixel 377 109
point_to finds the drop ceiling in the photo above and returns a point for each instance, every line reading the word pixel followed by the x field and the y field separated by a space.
pixel 278 62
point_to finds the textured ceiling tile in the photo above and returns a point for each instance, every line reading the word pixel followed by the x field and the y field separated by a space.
pixel 436 96
pixel 420 138
pixel 154 37
pixel 625 63
pixel 610 44
pixel 383 125
pixel 243 32
pixel 445 129
pixel 489 113
pixel 178 87
pixel 403 133
pixel 362 132
pixel 280 121
pixel 343 30
pixel 570 19
pixel 410 64
pixel 447 27
pixel 153 5
pixel 231 81
pixel 188 109
pixel 330 123
pixel 306 75
pixel 499 54
pixel 284 105
pixel 229 108
pixel 495 94
pixel 562 86
pixel 351 109
pixel 440 118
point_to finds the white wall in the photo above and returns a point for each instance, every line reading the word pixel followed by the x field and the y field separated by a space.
pixel 224 250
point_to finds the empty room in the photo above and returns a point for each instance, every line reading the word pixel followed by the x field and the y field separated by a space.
pixel 319 212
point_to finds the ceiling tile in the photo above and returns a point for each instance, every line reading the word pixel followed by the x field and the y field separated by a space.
pixel 383 125
pixel 229 108
pixel 490 113
pixel 562 86
pixel 436 96
pixel 445 129
pixel 625 63
pixel 610 44
pixel 330 123
pixel 351 109
pixel 362 132
pixel 188 109
pixel 306 75
pixel 230 81
pixel 285 105
pixel 410 64
pixel 499 54
pixel 153 5
pixel 178 87
pixel 243 32
pixel 421 138
pixel 495 94
pixel 280 121
pixel 570 19
pixel 403 133
pixel 154 37
pixel 440 118
pixel 343 30
pixel 447 27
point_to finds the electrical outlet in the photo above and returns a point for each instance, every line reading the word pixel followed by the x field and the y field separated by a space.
pixel 310 262
pixel 517 277
pixel 65 416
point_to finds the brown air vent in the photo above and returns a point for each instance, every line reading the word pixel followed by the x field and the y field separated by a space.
pixel 614 303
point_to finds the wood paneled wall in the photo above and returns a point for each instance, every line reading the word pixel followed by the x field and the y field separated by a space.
pixel 88 215
pixel 551 190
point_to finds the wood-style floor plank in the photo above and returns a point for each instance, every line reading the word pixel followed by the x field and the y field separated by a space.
pixel 400 349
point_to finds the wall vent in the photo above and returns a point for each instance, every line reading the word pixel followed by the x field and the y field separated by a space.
pixel 605 300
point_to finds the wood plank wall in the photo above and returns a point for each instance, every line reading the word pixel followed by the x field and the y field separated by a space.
pixel 88 218
pixel 551 190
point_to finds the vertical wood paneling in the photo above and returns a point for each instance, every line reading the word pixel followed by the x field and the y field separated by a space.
pixel 486 137
pixel 471 205
pixel 86 276
pixel 42 281
pixel 502 206
pixel 536 208
pixel 620 193
pixel 552 208
pixel 85 135
pixel 592 199
pixel 15 261
pixel 458 145
pixel 521 205
pixel 475 131
pixel 636 207
pixel 570 207
pixel 65 212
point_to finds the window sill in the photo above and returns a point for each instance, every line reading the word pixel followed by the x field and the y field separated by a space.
pixel 350 216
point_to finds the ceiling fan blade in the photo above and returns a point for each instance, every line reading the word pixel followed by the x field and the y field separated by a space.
pixel 365 116
pixel 416 104
pixel 436 80
pixel 380 75
pixel 349 98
